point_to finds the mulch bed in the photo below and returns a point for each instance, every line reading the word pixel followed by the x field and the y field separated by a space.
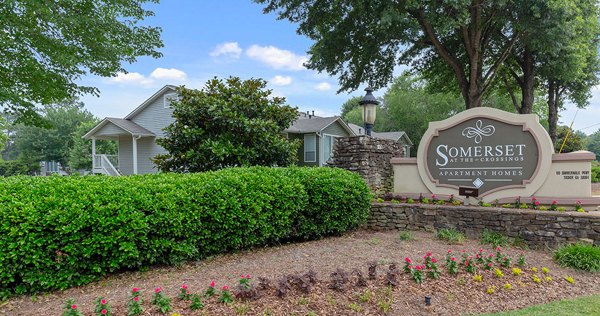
pixel 450 295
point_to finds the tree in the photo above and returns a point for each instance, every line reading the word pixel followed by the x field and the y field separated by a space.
pixel 80 153
pixel 47 46
pixel 574 141
pixel 228 123
pixel 593 143
pixel 351 104
pixel 3 134
pixel 362 41
pixel 36 144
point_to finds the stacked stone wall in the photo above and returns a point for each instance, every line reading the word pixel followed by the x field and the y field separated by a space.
pixel 536 228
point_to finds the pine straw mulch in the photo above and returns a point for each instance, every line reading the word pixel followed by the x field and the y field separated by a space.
pixel 450 295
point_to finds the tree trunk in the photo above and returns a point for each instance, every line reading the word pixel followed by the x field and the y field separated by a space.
pixel 527 87
pixel 552 109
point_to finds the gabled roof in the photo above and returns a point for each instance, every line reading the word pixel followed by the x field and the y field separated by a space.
pixel 150 100
pixel 316 124
pixel 395 136
pixel 123 124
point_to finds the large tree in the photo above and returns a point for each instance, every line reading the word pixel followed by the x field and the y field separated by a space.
pixel 228 123
pixel 593 144
pixel 362 41
pixel 47 46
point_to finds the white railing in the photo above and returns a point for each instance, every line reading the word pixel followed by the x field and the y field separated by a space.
pixel 105 164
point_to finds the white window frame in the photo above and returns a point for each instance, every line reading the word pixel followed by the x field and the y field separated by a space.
pixel 322 143
pixel 167 99
pixel 314 149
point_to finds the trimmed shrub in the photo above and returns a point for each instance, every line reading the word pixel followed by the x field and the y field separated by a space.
pixel 58 232
pixel 579 256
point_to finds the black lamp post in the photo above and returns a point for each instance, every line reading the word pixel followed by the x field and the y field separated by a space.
pixel 369 104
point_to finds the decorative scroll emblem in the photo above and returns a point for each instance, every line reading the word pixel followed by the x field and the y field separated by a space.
pixel 478 131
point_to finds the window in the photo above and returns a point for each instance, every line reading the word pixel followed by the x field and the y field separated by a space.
pixel 167 98
pixel 328 142
pixel 310 148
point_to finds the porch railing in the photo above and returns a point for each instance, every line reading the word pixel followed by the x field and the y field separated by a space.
pixel 106 164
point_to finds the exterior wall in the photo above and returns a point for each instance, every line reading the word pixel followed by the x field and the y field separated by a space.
pixel 370 157
pixel 110 129
pixel 155 117
pixel 126 155
pixel 148 149
pixel 335 129
pixel 537 228
pixel 301 162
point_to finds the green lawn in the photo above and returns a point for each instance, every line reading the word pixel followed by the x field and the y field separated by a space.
pixel 581 306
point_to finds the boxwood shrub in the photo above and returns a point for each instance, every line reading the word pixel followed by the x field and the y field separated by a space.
pixel 58 232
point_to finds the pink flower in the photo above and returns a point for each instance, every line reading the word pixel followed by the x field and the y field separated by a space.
pixel 135 289
pixel 428 254
pixel 247 276
pixel 242 276
pixel 418 268
pixel 225 287
pixel 449 251
pixel 452 259
pixel 498 249
pixel 184 287
pixel 407 259
pixel 212 284
pixel 433 196
pixel 504 258
pixel 470 257
pixel 480 249
pixel 554 202
pixel 104 312
pixel 463 251
pixel 73 306
pixel 490 264
pixel 103 302
pixel 533 198
pixel 157 290
pixel 135 299
pixel 578 202
pixel 537 203
pixel 467 262
pixel 491 255
pixel 477 256
pixel 410 267
pixel 433 260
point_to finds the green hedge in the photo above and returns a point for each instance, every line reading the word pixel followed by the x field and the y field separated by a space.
pixel 58 232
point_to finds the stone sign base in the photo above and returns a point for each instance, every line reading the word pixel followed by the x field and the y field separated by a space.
pixel 568 181
pixel 536 228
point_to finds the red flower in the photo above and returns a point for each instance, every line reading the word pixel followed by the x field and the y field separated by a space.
pixel 554 202
pixel 533 198
pixel 504 258
pixel 452 259
pixel 184 287
pixel 157 290
pixel 212 284
pixel 135 299
pixel 247 276
pixel 225 287
pixel 407 259
pixel 463 251
pixel 477 256
pixel 428 254
pixel 491 255
pixel 470 257
pixel 73 306
pixel 433 260
pixel 498 249
pixel 135 289
pixel 103 302
pixel 418 268
pixel 449 251
pixel 242 276
pixel 410 267
pixel 490 264
pixel 433 196
pixel 467 262
pixel 578 202
pixel 537 203
pixel 104 312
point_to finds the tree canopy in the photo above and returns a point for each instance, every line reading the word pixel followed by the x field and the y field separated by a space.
pixel 47 46
pixel 228 123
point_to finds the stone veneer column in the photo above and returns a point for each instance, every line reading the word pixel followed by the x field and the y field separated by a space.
pixel 370 157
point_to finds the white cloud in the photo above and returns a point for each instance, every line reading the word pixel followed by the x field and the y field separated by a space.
pixel 281 80
pixel 228 49
pixel 133 78
pixel 323 86
pixel 276 58
pixel 158 75
pixel 170 73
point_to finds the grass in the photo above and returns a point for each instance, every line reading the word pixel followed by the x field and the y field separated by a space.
pixel 579 256
pixel 406 236
pixel 450 235
pixel 574 307
pixel 490 237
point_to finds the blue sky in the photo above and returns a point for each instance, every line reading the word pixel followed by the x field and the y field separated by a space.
pixel 207 38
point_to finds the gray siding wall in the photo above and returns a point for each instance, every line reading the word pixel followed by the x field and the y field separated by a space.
pixel 300 138
pixel 110 129
pixel 155 117
pixel 126 155
pixel 148 149
pixel 335 129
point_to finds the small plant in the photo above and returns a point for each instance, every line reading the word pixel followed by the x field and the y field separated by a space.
pixel 450 235
pixel 543 208
pixel 451 199
pixel 452 266
pixel 70 309
pixel 517 271
pixel 440 202
pixel 570 279
pixel 499 254
pixel 263 283
pixel 101 307
pixel 184 293
pixel 545 270
pixel 434 199
pixel 360 278
pixel 355 307
pixel 456 203
pixel 491 289
pixel 162 302
pixel 425 201
pixel 470 265
pixel 380 200
pixel 391 277
pixel 245 289
pixel 282 287
pixel 226 297
pixel 498 273
pixel 578 207
pixel 339 279
pixel 521 262
pixel 210 291
pixel 196 302
pixel 407 265
pixel 523 206
pixel 561 209
pixel 417 274
pixel 365 296
pixel 553 206
pixel 507 286
pixel 488 266
pixel 534 203
pixel 534 270
pixel 579 256
pixel 406 236
pixel 489 237
pixel 548 278
pixel 507 205
pixel 485 204
pixel 134 305
pixel 478 278
pixel 395 201
pixel 410 201
pixel 372 273
pixel 385 300
pixel 536 279
pixel 431 265
pixel 505 262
